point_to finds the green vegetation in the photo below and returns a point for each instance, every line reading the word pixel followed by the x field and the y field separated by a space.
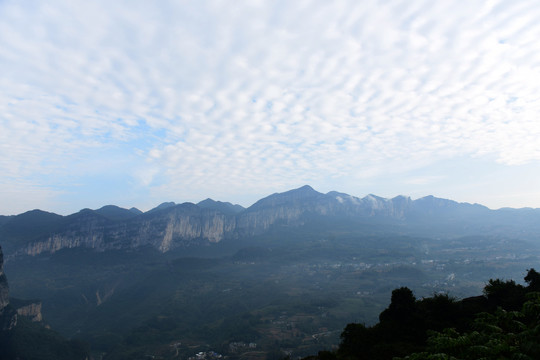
pixel 283 294
pixel 502 335
pixel 442 328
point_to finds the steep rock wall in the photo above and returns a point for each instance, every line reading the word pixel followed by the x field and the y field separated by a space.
pixel 33 311
pixel 8 317
pixel 183 225
pixel 4 289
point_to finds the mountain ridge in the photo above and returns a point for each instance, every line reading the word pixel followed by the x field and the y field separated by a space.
pixel 164 205
pixel 170 225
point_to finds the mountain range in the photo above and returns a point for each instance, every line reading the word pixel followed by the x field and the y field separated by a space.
pixel 175 226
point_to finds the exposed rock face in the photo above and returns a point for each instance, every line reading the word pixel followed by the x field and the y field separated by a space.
pixel 171 226
pixel 286 208
pixel 4 290
pixel 184 225
pixel 295 206
pixel 33 311
pixel 8 318
pixel 174 226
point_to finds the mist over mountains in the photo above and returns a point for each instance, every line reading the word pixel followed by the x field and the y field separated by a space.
pixel 175 226
pixel 285 274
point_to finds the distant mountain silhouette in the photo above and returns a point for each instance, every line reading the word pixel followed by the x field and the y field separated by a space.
pixel 169 225
pixel 114 212
pixel 224 207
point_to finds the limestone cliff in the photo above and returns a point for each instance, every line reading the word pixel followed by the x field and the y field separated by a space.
pixel 165 229
pixel 285 208
pixel 8 317
pixel 171 225
pixel 31 310
pixel 293 208
pixel 4 289
pixel 184 225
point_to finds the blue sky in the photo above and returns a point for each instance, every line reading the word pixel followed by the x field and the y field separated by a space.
pixel 135 103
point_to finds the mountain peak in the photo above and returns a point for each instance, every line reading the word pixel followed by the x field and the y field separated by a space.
pixel 115 213
pixel 301 192
pixel 374 198
pixel 162 206
pixel 294 195
pixel 435 201
pixel 135 211
pixel 224 207
pixel 36 231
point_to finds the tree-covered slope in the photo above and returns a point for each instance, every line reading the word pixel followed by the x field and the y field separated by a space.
pixel 503 323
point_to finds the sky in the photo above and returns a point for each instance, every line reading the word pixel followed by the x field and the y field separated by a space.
pixel 135 103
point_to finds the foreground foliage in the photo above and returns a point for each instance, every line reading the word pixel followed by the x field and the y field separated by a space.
pixel 502 335
pixel 504 323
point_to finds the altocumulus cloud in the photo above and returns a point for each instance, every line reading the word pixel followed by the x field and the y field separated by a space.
pixel 182 100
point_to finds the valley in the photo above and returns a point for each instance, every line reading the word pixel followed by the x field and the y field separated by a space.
pixel 285 278
pixel 292 298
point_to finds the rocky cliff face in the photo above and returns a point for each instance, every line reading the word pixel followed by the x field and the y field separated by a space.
pixel 285 208
pixel 165 229
pixel 170 226
pixel 32 311
pixel 4 289
pixel 296 206
pixel 8 318
pixel 183 225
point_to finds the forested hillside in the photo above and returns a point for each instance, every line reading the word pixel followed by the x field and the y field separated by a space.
pixel 282 277
pixel 503 323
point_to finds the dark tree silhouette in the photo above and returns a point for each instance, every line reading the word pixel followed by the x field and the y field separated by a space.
pixel 533 280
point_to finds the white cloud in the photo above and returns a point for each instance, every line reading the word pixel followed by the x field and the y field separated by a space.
pixel 253 97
